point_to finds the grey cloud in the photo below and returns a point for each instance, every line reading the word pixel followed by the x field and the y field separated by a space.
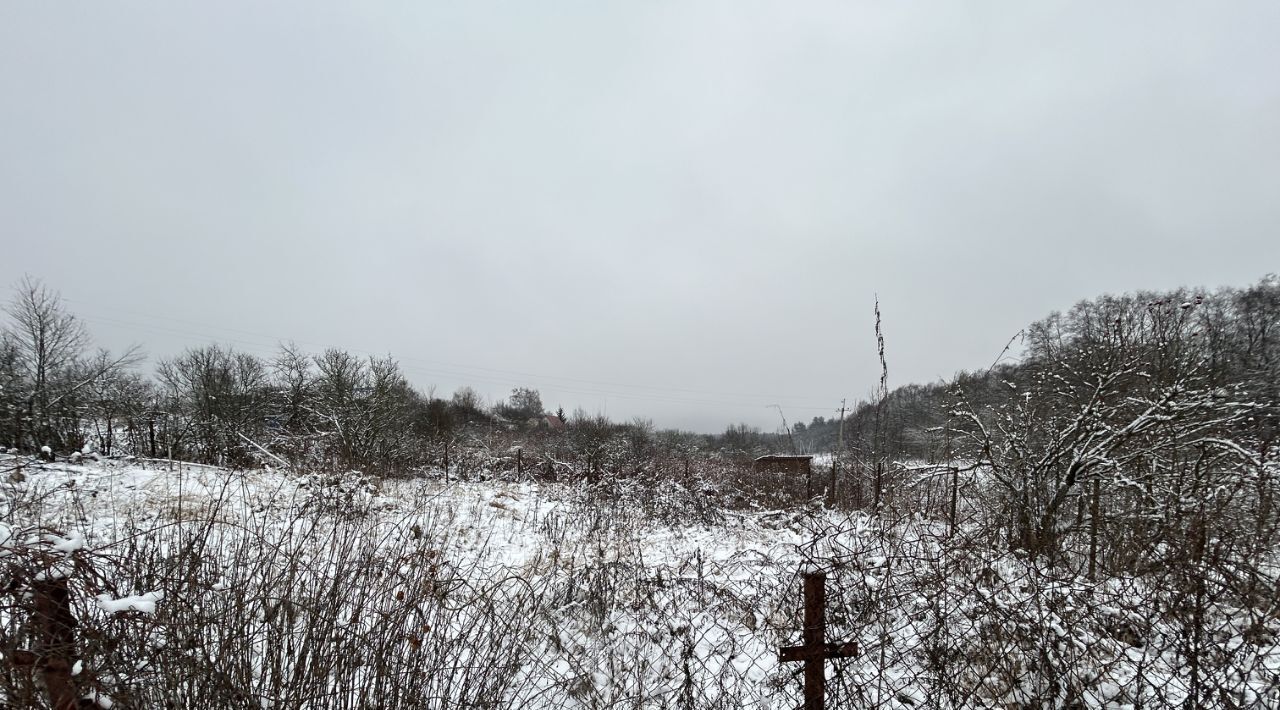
pixel 700 198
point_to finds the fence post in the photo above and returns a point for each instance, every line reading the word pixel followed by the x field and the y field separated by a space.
pixel 815 635
pixel 57 643
pixel 832 495
pixel 816 650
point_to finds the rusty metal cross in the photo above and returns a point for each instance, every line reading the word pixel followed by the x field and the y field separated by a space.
pixel 816 650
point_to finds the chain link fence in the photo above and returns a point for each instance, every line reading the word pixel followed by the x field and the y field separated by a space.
pixel 267 593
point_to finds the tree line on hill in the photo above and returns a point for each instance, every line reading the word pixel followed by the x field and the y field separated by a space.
pixel 1231 336
pixel 329 410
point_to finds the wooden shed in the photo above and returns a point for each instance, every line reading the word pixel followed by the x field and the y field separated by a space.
pixel 785 463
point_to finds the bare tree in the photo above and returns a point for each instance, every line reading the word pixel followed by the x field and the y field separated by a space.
pixel 365 408
pixel 220 396
pixel 45 348
pixel 1116 411
pixel 116 402
pixel 47 341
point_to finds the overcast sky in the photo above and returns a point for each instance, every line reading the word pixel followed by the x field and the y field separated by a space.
pixel 679 210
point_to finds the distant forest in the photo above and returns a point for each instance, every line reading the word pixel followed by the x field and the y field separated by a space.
pixel 1231 337
pixel 334 409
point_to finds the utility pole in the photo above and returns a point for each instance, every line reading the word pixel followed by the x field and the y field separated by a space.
pixel 835 460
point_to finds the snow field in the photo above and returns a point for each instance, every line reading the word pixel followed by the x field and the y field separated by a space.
pixel 265 589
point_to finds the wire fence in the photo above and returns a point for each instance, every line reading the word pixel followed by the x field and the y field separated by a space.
pixel 327 595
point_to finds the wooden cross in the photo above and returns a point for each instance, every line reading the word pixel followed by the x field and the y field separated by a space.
pixel 816 650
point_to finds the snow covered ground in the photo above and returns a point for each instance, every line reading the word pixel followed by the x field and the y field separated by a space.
pixel 265 589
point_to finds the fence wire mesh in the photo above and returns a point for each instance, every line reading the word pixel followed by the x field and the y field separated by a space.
pixel 274 595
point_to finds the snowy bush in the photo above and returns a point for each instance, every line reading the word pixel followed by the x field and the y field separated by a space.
pixel 343 495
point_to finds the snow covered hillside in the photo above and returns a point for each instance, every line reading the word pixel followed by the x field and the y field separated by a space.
pixel 192 586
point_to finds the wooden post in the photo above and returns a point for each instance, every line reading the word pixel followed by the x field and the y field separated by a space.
pixel 815 637
pixel 831 494
pixel 955 497
pixel 1095 510
pixel 816 650
pixel 57 641
pixel 835 460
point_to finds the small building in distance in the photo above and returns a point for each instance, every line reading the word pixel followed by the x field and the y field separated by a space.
pixel 785 463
